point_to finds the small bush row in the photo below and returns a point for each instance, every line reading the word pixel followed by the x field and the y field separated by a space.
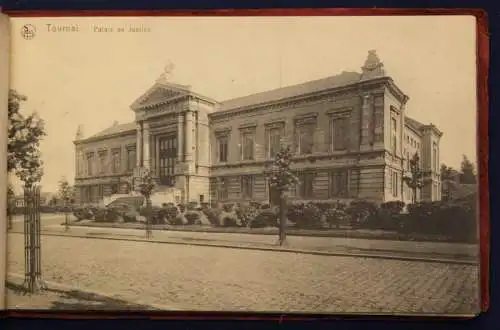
pixel 453 220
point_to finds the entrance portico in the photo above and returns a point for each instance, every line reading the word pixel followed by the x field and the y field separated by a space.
pixel 169 117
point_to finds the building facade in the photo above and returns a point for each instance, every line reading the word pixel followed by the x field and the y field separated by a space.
pixel 349 133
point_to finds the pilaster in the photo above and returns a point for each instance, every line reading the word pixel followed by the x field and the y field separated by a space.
pixel 139 145
pixel 188 137
pixel 180 137
pixel 366 122
pixel 146 146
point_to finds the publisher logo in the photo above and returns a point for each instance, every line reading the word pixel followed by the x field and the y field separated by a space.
pixel 28 31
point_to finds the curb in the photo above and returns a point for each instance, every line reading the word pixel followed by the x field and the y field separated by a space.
pixel 274 249
pixel 89 294
pixel 258 232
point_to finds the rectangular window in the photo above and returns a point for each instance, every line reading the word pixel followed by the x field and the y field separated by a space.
pixel 339 184
pixel 247 186
pixel 222 189
pixel 306 186
pixel 274 135
pixel 115 161
pixel 434 157
pixel 247 145
pixel 338 127
pixel 394 135
pixel 222 148
pixel 90 163
pixel 395 185
pixel 131 159
pixel 103 160
pixel 305 138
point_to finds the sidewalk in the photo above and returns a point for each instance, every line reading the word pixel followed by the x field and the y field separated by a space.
pixel 60 297
pixel 419 251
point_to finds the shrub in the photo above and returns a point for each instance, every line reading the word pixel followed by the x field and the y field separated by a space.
pixel 229 220
pixel 228 207
pixel 213 215
pixel 305 215
pixel 266 217
pixel 455 220
pixel 387 216
pixel 336 215
pixel 177 221
pixel 247 212
pixel 83 213
pixel 360 211
pixel 192 206
pixel 181 207
pixel 192 217
pixel 170 211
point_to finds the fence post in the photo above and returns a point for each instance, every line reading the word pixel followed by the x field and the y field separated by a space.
pixel 33 282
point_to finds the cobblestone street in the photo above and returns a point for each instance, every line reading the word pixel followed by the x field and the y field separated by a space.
pixel 17 298
pixel 209 278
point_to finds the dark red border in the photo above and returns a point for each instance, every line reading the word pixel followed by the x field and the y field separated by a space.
pixel 483 146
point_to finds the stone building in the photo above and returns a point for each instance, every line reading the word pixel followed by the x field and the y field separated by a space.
pixel 350 135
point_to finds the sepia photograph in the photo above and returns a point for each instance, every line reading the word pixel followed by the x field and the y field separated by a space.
pixel 264 164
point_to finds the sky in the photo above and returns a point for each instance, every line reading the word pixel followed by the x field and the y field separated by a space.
pixel 91 77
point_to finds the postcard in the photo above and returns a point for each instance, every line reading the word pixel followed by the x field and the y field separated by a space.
pixel 277 164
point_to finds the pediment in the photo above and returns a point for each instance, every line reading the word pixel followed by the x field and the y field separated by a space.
pixel 158 94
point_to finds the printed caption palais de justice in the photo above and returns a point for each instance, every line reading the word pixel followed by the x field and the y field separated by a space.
pixel 97 28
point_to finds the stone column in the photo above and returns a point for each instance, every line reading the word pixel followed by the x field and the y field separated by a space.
pixel 188 139
pixel 146 160
pixel 138 145
pixel 180 137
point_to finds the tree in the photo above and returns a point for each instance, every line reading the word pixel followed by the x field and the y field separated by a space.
pixel 146 184
pixel 417 178
pixel 467 171
pixel 281 178
pixel 446 172
pixel 65 191
pixel 10 204
pixel 24 135
pixel 447 179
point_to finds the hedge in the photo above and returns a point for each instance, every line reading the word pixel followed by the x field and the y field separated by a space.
pixel 455 221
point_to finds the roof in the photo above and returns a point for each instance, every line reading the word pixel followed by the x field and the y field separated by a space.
pixel 115 129
pixel 342 79
pixel 414 124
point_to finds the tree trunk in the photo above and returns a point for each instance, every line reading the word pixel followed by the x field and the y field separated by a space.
pixel 282 217
pixel 149 212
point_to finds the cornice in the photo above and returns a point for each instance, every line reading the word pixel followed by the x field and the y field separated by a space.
pixel 330 93
pixel 105 137
pixel 298 159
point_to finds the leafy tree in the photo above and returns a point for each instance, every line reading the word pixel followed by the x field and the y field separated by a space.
pixel 65 191
pixel 146 185
pixel 446 172
pixel 417 177
pixel 10 204
pixel 467 171
pixel 24 135
pixel 281 178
